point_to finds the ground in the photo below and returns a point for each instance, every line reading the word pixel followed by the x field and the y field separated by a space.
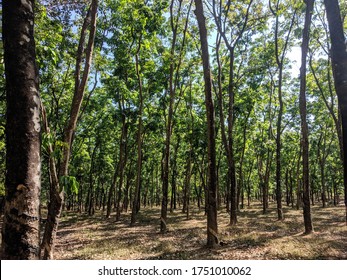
pixel 256 236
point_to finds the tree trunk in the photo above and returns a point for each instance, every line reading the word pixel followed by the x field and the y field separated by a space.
pixel 212 227
pixel 173 82
pixel 123 156
pixel 139 139
pixel 232 169
pixel 20 230
pixel 91 202
pixel 339 65
pixel 321 159
pixel 303 115
pixel 56 193
pixel 111 193
pixel 228 137
pixel 278 151
pixel 279 56
pixel 174 175
pixel 241 185
pixel 169 124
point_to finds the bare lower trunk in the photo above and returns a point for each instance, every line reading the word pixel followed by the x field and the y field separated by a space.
pixel 20 230
pixel 49 237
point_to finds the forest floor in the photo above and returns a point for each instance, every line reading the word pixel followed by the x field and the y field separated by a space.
pixel 256 236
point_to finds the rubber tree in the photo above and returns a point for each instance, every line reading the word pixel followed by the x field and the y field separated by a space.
pixel 20 230
pixel 338 53
pixel 212 226
pixel 81 78
pixel 303 115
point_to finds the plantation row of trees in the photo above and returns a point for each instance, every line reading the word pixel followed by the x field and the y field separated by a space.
pixel 115 105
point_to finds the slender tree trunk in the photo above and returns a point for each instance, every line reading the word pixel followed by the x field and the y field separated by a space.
pixel 173 82
pixel 187 183
pixel 169 124
pixel 303 115
pixel 298 183
pixel 241 175
pixel 136 200
pixel 279 61
pixel 287 187
pixel 123 156
pixel 174 175
pixel 20 230
pixel 291 190
pixel 321 159
pixel 57 196
pixel 91 202
pixel 212 226
pixel 111 193
pixel 233 181
pixel 278 151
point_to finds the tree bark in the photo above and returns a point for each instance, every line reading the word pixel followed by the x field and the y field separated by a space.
pixel 303 115
pixel 20 230
pixel 339 65
pixel 212 226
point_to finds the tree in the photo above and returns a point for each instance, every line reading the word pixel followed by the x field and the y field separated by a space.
pixel 57 192
pixel 136 201
pixel 238 28
pixel 339 65
pixel 175 65
pixel 212 226
pixel 303 115
pixel 21 232
pixel 280 56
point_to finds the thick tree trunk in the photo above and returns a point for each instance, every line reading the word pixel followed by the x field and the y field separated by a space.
pixel 212 227
pixel 20 230
pixel 339 65
pixel 303 115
